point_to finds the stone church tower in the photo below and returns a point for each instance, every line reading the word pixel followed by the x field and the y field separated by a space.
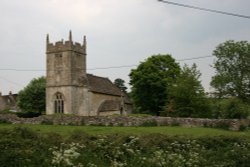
pixel 70 90
pixel 66 77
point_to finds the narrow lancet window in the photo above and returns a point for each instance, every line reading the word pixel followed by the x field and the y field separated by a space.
pixel 59 103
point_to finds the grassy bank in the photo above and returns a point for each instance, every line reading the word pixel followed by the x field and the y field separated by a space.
pixel 101 130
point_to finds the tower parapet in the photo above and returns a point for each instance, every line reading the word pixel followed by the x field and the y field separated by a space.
pixel 69 45
pixel 66 62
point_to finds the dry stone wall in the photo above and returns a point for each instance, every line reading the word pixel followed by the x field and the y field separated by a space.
pixel 232 124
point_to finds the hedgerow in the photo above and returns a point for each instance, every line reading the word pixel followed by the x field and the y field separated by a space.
pixel 25 147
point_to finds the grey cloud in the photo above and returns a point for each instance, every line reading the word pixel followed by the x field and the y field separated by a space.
pixel 118 33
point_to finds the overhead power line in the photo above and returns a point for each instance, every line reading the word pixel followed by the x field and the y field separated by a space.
pixel 193 58
pixel 205 9
pixel 100 68
pixel 12 82
pixel 104 68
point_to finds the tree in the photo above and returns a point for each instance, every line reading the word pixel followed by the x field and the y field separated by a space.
pixel 231 108
pixel 151 82
pixel 232 67
pixel 32 97
pixel 120 84
pixel 187 96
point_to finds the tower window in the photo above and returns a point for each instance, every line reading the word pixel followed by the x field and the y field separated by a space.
pixel 58 60
pixel 59 103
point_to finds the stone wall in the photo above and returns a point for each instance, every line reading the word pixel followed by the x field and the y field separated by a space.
pixel 232 124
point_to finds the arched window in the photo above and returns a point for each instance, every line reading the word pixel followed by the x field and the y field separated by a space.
pixel 59 103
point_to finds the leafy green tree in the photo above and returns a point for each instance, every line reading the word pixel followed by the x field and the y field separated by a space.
pixel 231 108
pixel 232 67
pixel 187 96
pixel 151 82
pixel 32 97
pixel 120 84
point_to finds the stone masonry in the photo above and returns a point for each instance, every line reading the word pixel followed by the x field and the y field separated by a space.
pixel 70 90
pixel 231 124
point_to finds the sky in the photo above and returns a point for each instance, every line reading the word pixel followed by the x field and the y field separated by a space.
pixel 119 33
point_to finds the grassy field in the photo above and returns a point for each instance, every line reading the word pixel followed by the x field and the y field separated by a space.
pixel 98 130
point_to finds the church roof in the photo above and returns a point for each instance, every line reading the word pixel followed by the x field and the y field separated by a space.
pixel 103 85
pixel 110 105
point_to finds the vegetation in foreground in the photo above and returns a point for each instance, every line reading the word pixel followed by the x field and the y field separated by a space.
pixel 25 147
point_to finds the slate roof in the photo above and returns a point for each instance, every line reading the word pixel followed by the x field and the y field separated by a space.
pixel 104 86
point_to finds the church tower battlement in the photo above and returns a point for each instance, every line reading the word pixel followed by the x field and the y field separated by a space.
pixel 66 62
pixel 69 45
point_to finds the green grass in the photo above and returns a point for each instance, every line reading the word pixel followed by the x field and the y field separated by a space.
pixel 98 130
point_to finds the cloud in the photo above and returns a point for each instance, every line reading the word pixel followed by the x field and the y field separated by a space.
pixel 118 33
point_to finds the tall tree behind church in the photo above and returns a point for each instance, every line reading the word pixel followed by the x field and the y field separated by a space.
pixel 120 83
pixel 151 82
pixel 232 65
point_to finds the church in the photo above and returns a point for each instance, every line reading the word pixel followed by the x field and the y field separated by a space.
pixel 70 90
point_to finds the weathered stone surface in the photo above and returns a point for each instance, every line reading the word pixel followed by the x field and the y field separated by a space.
pixel 232 124
pixel 81 94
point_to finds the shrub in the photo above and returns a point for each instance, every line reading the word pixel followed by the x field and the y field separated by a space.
pixel 28 114
pixel 4 121
pixel 231 108
pixel 222 125
pixel 185 111
pixel 6 111
pixel 25 147
pixel 242 128
pixel 149 123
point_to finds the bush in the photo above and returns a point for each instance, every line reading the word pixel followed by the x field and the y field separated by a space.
pixel 149 123
pixel 232 108
pixel 7 111
pixel 28 114
pixel 185 111
pixel 223 125
pixel 25 147
pixel 3 121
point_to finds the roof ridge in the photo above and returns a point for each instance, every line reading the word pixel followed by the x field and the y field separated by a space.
pixel 97 76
